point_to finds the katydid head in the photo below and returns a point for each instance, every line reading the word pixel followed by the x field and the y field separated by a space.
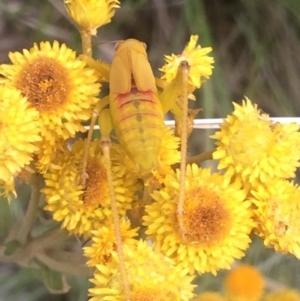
pixel 131 44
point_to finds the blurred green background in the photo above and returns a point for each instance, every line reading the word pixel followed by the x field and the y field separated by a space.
pixel 257 51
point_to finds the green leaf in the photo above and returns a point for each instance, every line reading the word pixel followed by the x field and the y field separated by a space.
pixel 11 247
pixel 55 281
pixel 5 218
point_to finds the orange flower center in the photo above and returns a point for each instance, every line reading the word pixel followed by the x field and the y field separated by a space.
pixel 206 218
pixel 152 294
pixel 96 189
pixel 45 83
pixel 245 281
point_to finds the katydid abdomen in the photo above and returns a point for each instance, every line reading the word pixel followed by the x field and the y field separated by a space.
pixel 135 108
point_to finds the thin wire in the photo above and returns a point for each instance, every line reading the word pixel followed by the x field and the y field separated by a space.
pixel 214 123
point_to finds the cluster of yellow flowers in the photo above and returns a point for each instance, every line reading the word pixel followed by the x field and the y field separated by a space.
pixel 262 157
pixel 45 95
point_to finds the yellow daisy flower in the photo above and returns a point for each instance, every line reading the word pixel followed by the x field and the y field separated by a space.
pixel 209 201
pixel 91 14
pixel 272 150
pixel 104 242
pixel 283 295
pixel 277 214
pixel 19 133
pixel 169 154
pixel 200 65
pixel 82 210
pixel 151 276
pixel 244 283
pixel 59 86
pixel 209 296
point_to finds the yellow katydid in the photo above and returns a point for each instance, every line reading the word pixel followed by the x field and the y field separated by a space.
pixel 137 111
pixel 137 117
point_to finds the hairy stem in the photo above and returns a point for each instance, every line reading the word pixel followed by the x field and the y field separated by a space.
pixel 31 213
pixel 207 155
pixel 84 175
pixel 86 40
pixel 116 220
pixel 180 207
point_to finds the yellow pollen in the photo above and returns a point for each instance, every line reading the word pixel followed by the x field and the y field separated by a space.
pixel 151 294
pixel 46 84
pixel 206 218
pixel 281 221
pixel 96 190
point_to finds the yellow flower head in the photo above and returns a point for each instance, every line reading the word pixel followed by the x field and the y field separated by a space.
pixel 83 209
pixel 19 131
pixel 104 242
pixel 59 86
pixel 244 283
pixel 151 276
pixel 209 296
pixel 251 147
pixel 277 214
pixel 169 154
pixel 286 149
pixel 200 65
pixel 209 201
pixel 283 295
pixel 91 14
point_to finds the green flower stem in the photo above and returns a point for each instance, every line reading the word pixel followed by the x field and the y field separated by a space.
pixel 57 260
pixel 86 40
pixel 31 213
pixel 64 267
pixel 47 240
pixel 75 258
pixel 201 157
